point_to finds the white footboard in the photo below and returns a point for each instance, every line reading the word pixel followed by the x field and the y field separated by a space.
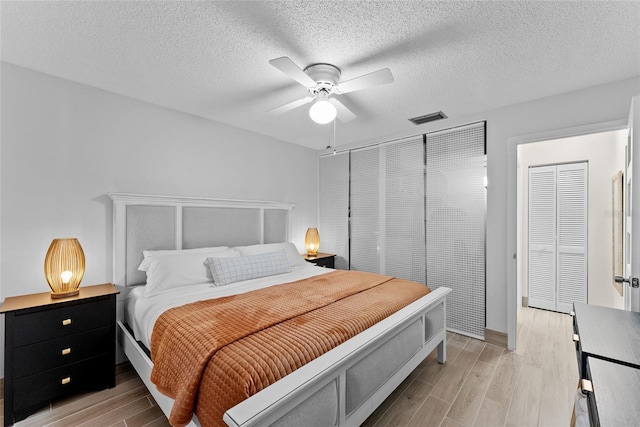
pixel 343 386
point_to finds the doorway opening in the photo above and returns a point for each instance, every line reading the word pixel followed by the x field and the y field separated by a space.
pixel 602 146
pixel 605 154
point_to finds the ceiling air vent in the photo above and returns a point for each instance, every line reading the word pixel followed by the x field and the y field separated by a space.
pixel 428 118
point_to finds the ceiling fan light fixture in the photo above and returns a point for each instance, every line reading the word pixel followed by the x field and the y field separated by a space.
pixel 322 111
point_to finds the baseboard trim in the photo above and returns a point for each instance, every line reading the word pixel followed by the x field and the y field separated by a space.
pixel 496 338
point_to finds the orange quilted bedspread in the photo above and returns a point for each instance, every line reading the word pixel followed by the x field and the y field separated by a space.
pixel 211 355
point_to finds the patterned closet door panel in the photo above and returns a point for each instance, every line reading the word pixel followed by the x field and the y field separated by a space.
pixel 333 224
pixel 455 223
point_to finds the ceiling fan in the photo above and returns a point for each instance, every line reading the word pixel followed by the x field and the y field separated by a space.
pixel 323 83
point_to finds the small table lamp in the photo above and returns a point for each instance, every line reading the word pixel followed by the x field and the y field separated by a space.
pixel 312 241
pixel 64 267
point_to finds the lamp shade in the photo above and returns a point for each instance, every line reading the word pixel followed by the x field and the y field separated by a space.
pixel 312 241
pixel 64 267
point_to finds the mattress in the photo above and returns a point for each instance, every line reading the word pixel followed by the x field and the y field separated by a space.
pixel 141 312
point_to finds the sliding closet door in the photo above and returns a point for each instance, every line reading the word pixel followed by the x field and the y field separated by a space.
pixel 404 234
pixel 366 242
pixel 455 223
pixel 387 209
pixel 542 237
pixel 334 207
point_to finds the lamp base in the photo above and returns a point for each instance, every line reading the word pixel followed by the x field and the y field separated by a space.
pixel 65 294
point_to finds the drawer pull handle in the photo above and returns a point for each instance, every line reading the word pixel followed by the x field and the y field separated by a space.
pixel 66 322
pixel 66 380
pixel 586 386
pixel 66 351
pixel 576 338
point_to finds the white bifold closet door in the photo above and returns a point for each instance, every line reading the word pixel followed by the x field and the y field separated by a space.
pixel 387 209
pixel 558 236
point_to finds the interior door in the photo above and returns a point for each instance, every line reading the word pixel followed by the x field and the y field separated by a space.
pixel 571 236
pixel 542 237
pixel 632 205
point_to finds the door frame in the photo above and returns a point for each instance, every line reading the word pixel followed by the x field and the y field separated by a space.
pixel 513 243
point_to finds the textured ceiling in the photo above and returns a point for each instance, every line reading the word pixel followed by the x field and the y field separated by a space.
pixel 211 58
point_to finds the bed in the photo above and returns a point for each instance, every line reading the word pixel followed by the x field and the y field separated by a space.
pixel 341 386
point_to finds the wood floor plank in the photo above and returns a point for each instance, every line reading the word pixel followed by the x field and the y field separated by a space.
pixel 525 402
pixel 96 412
pixel 491 354
pixel 474 345
pixel 472 394
pixel 430 413
pixel 432 371
pixel 491 413
pixel 454 376
pixel 406 405
pixel 120 413
pixel 448 422
pixel 457 338
pixel 503 381
pixel 145 417
pixel 553 406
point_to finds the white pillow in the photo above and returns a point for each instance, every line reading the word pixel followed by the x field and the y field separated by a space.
pixel 295 259
pixel 175 270
pixel 231 270
pixel 147 253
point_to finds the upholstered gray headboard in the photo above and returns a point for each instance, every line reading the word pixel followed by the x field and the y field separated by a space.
pixel 164 222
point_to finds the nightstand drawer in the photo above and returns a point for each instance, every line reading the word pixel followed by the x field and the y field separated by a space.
pixel 42 356
pixel 327 262
pixel 39 325
pixel 92 374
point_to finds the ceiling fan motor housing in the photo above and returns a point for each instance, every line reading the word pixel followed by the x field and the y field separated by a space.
pixel 326 77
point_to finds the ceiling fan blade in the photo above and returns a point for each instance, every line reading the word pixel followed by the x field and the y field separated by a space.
pixel 291 105
pixel 288 67
pixel 375 78
pixel 342 112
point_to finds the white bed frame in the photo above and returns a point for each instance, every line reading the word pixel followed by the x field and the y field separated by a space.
pixel 365 369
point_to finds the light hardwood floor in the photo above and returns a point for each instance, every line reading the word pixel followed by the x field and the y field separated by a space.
pixel 485 385
pixel 480 385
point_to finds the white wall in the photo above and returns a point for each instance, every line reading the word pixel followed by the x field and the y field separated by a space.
pixel 605 154
pixel 591 105
pixel 118 144
pixel 65 145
